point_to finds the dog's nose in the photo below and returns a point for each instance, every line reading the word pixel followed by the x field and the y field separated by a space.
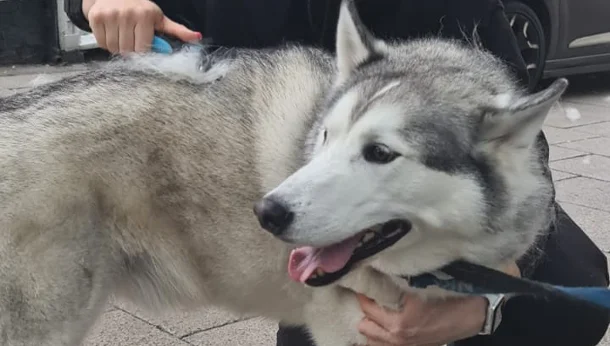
pixel 273 216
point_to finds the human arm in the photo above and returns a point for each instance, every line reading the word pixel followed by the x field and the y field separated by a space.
pixel 420 322
pixel 123 26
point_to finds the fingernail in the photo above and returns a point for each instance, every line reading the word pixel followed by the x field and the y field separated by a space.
pixel 199 36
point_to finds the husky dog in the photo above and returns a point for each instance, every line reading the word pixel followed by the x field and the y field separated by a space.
pixel 139 180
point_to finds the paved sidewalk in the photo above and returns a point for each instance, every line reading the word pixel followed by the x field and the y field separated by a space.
pixel 579 133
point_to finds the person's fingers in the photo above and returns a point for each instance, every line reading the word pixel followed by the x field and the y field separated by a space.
pixel 99 32
pixel 112 33
pixel 127 25
pixel 144 33
pixel 376 313
pixel 96 23
pixel 179 31
pixel 376 335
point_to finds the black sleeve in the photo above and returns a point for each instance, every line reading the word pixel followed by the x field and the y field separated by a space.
pixel 74 11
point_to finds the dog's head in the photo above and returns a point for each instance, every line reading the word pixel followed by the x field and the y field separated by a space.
pixel 424 152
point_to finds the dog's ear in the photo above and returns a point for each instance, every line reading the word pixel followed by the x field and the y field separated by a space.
pixel 356 45
pixel 517 122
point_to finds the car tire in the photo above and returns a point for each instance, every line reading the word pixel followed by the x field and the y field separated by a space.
pixel 531 38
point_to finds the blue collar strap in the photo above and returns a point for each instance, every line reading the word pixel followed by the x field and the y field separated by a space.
pixel 469 278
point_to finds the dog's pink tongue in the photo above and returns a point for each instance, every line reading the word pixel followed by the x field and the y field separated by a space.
pixel 305 260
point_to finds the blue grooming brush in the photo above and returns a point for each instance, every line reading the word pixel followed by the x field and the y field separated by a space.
pixel 469 278
pixel 160 45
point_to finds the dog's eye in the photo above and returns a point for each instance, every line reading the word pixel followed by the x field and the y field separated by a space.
pixel 324 135
pixel 378 153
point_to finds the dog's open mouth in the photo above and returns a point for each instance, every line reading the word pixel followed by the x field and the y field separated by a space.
pixel 323 266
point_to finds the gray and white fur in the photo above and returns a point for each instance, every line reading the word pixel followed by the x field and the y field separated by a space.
pixel 138 179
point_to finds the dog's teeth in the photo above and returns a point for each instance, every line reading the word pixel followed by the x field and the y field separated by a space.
pixel 368 236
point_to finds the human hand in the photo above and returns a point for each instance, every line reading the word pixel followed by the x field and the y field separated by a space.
pixel 424 323
pixel 124 26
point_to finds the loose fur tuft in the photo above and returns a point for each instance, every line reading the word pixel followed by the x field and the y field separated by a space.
pixel 188 64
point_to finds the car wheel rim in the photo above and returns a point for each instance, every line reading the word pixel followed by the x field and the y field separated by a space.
pixel 528 40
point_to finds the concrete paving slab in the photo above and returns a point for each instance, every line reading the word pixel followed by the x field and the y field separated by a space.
pixel 594 221
pixel 109 308
pixel 601 98
pixel 568 115
pixel 117 328
pixel 558 135
pixel 600 146
pixel 592 166
pixel 585 192
pixel 600 129
pixel 559 175
pixel 181 324
pixel 253 332
pixel 558 153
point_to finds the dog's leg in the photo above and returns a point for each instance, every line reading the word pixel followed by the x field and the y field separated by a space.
pixel 54 283
pixel 333 316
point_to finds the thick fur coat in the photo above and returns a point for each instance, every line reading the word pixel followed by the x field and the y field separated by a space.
pixel 139 179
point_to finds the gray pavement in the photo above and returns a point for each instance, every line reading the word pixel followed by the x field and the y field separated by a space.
pixel 579 133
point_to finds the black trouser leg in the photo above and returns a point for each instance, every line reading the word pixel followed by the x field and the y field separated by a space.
pixel 293 336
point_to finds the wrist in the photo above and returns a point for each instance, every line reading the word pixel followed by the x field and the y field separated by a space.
pixel 478 315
